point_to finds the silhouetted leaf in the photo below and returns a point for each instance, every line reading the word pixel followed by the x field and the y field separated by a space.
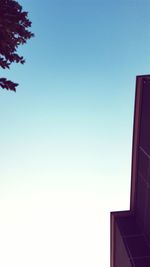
pixel 14 24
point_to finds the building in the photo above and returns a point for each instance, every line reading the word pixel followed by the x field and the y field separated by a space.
pixel 130 230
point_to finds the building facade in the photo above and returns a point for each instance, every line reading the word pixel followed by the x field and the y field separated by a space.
pixel 130 230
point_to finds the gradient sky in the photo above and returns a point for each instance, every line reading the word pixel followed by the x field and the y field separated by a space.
pixel 66 134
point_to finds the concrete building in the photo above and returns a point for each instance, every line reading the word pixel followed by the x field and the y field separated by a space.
pixel 130 230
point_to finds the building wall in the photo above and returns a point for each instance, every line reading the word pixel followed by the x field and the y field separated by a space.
pixel 121 256
pixel 130 238
pixel 142 207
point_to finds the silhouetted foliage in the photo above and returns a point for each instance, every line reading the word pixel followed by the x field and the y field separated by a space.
pixel 14 24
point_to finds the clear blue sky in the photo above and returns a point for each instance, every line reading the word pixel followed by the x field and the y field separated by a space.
pixel 66 134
